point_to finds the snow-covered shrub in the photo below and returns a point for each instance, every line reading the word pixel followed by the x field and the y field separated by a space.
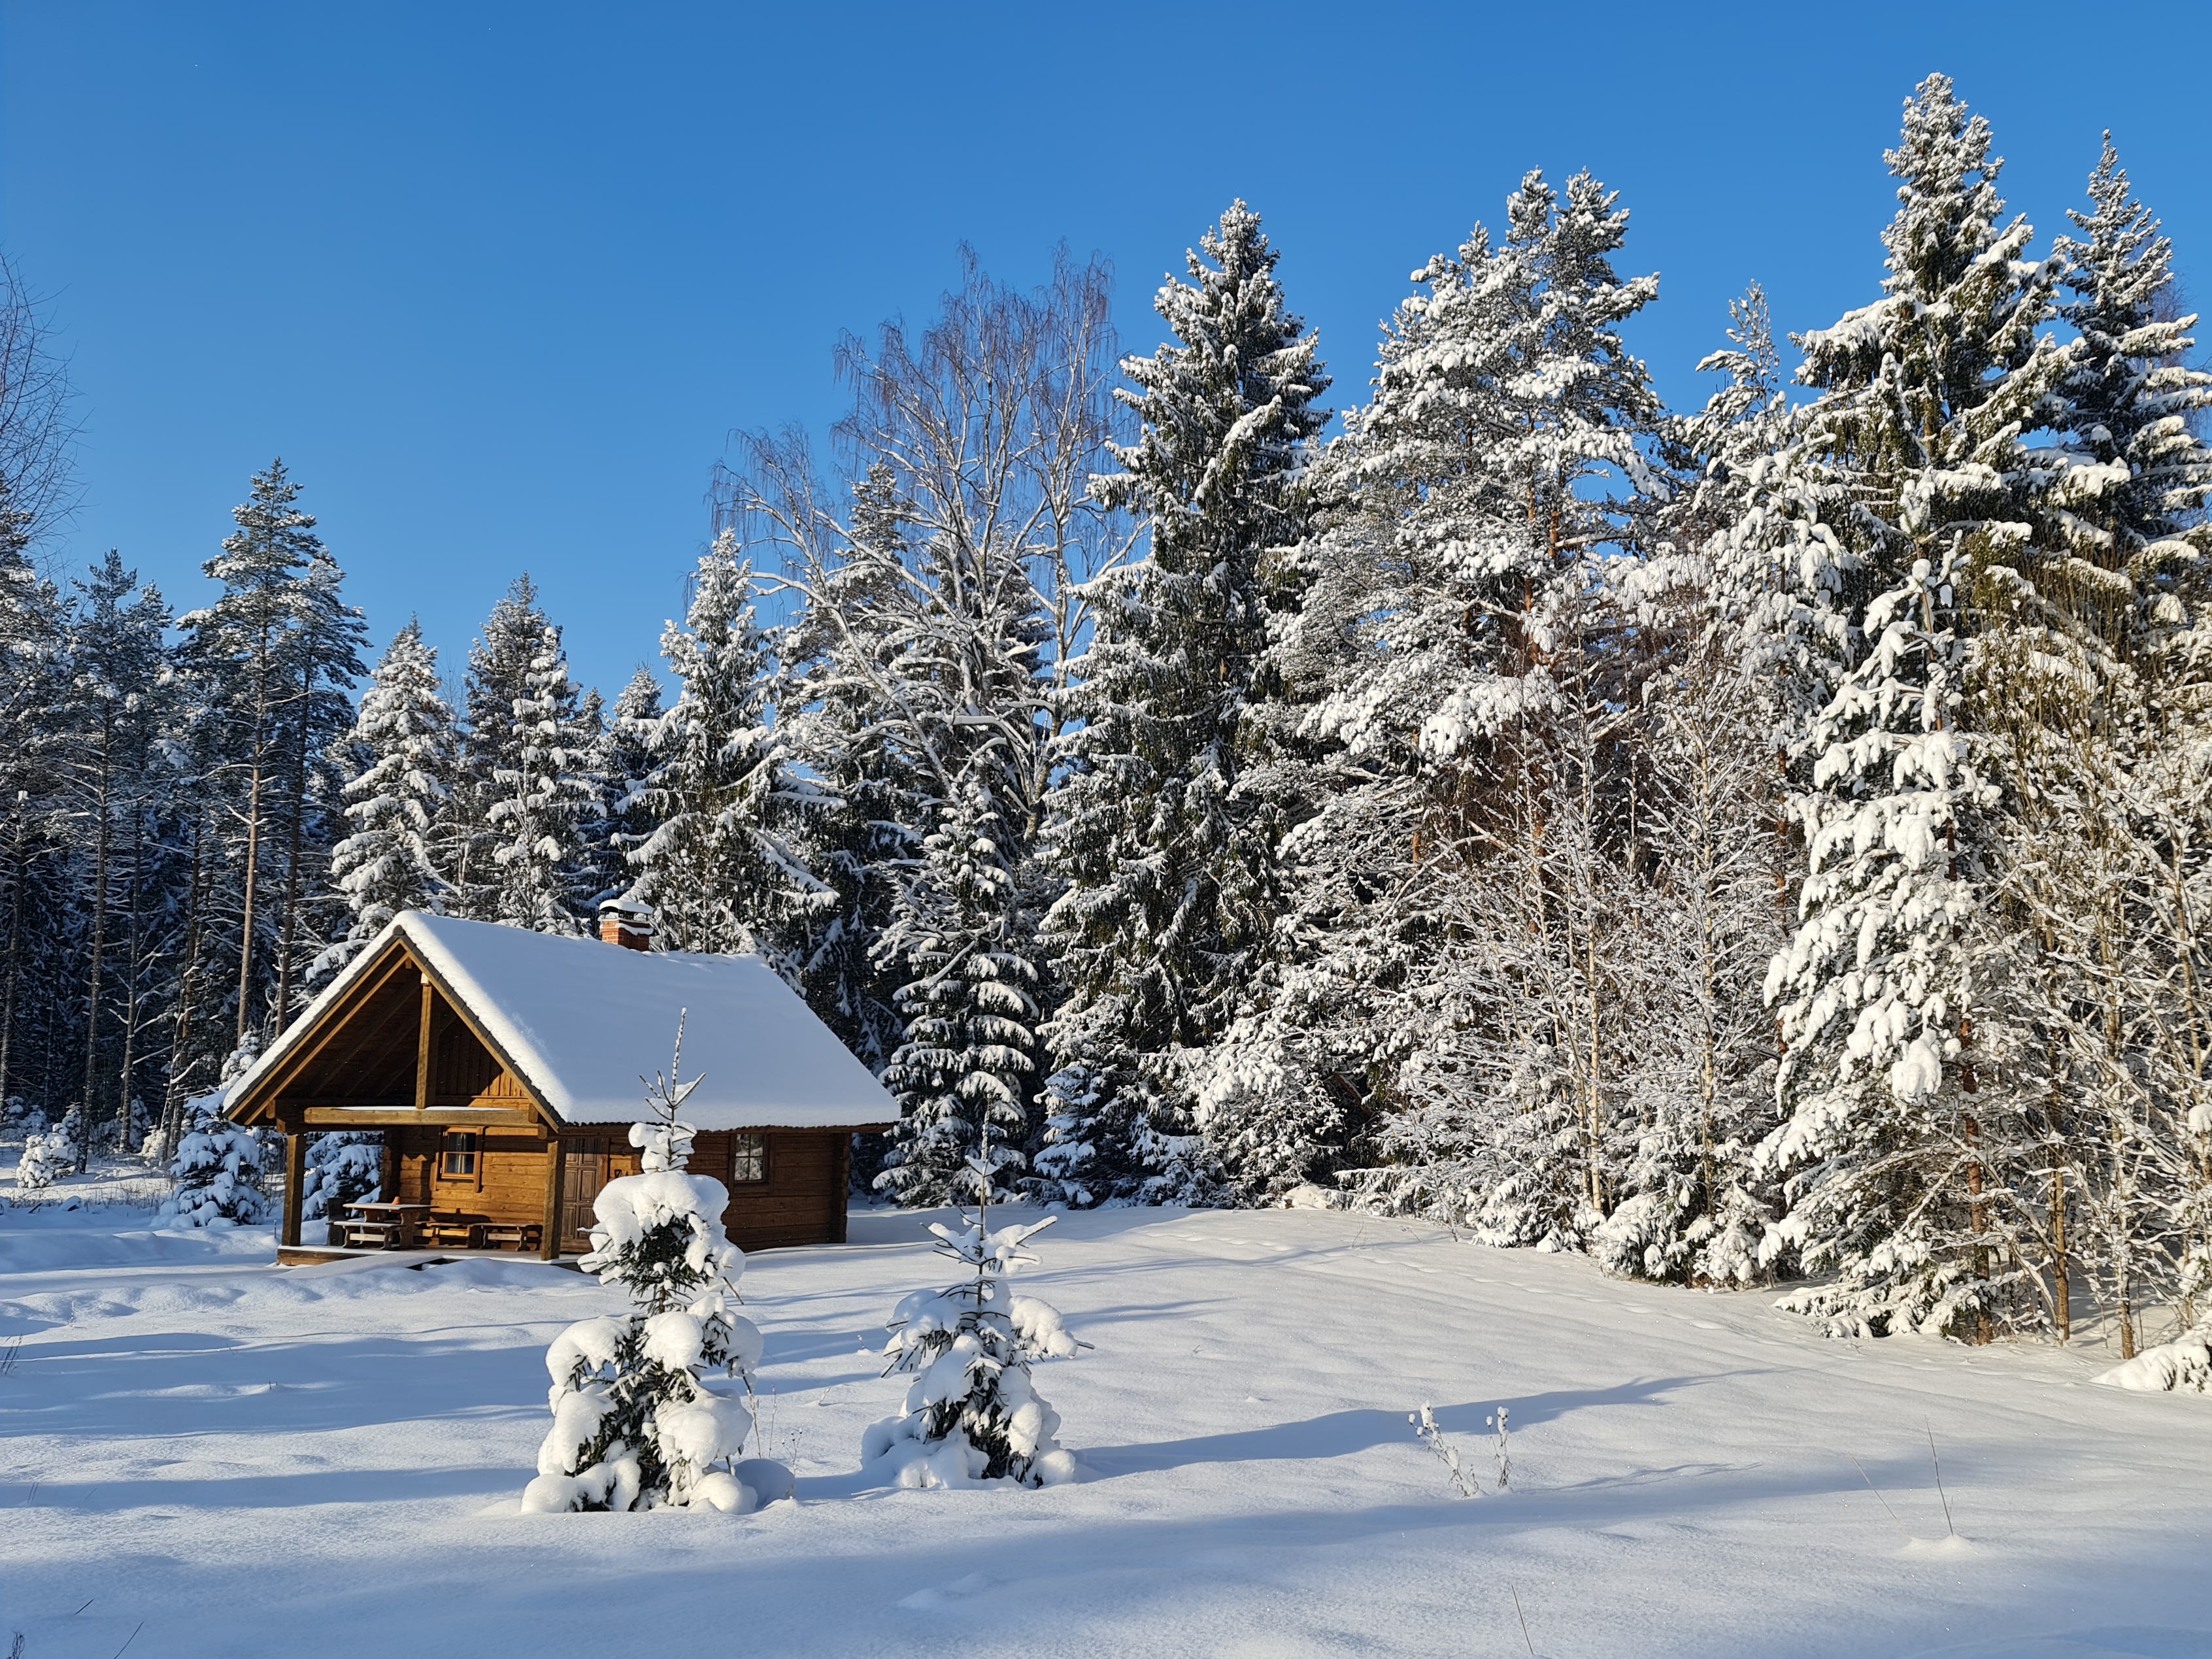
pixel 634 1424
pixel 2183 1365
pixel 51 1154
pixel 218 1170
pixel 341 1168
pixel 971 1413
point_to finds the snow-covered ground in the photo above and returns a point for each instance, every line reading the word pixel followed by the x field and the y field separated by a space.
pixel 205 1455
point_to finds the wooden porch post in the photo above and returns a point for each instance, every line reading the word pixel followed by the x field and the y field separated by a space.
pixel 423 1046
pixel 550 1241
pixel 840 1196
pixel 295 1177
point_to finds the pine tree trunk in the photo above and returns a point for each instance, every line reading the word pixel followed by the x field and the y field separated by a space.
pixel 181 1043
pixel 130 983
pixel 99 947
pixel 15 953
pixel 299 793
pixel 252 869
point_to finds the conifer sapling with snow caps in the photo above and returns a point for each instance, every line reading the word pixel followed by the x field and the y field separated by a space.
pixel 217 1169
pixel 971 1414
pixel 635 1425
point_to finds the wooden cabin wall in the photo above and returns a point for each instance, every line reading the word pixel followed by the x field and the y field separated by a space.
pixel 803 1202
pixel 510 1182
pixel 463 1071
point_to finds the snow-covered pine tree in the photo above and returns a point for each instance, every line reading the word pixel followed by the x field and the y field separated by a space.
pixel 1481 719
pixel 343 1166
pixel 623 764
pixel 2098 701
pixel 498 678
pixel 1166 925
pixel 269 659
pixel 963 1074
pixel 720 871
pixel 50 1154
pixel 324 661
pixel 635 1425
pixel 105 728
pixel 543 797
pixel 1890 1011
pixel 841 652
pixel 218 1170
pixel 971 1413
pixel 398 800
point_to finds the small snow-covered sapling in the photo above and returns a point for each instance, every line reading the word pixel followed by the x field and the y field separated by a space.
pixel 971 1414
pixel 635 1425
pixel 1504 1452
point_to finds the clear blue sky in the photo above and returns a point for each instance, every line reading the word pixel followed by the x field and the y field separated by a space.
pixel 497 280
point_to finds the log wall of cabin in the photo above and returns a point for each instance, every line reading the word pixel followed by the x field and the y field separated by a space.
pixel 801 1202
pixel 463 1071
pixel 509 1185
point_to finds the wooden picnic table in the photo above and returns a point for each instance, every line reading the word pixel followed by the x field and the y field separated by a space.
pixel 385 1225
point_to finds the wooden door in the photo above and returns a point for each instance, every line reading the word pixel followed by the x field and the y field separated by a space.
pixel 583 1172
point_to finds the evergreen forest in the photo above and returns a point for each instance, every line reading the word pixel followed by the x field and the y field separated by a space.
pixel 1753 844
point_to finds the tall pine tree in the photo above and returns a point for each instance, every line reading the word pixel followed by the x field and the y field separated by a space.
pixel 1890 996
pixel 398 802
pixel 719 869
pixel 1166 924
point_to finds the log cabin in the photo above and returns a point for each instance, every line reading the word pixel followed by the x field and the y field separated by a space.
pixel 503 1069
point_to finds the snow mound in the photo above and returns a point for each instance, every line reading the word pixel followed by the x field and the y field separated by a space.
pixel 2132 1642
pixel 2183 1365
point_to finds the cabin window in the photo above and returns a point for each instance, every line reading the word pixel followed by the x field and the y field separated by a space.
pixel 748 1160
pixel 458 1161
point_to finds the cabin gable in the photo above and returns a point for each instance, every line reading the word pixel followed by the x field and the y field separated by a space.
pixel 399 1043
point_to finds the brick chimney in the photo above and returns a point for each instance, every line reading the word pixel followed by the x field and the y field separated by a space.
pixel 627 923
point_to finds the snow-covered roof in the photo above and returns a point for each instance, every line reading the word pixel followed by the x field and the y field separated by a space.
pixel 581 1022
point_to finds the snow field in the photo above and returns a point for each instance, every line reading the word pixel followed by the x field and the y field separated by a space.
pixel 232 1459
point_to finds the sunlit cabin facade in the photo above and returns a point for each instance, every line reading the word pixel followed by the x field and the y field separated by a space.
pixel 504 1068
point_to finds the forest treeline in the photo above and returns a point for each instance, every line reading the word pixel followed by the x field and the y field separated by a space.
pixel 1755 844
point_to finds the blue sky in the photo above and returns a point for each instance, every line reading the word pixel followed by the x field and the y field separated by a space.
pixel 497 282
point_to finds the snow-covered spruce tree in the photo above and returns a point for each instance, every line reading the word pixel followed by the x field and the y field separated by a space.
pixel 50 1154
pixel 398 802
pixel 218 1170
pixel 343 1167
pixel 720 869
pixel 841 651
pixel 635 1425
pixel 623 764
pixel 543 797
pixel 1482 494
pixel 2097 702
pixel 963 1074
pixel 1165 927
pixel 498 678
pixel 971 1413
pixel 1891 1017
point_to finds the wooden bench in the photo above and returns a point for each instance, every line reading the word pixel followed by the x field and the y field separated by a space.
pixel 371 1235
pixel 519 1235
pixel 452 1227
